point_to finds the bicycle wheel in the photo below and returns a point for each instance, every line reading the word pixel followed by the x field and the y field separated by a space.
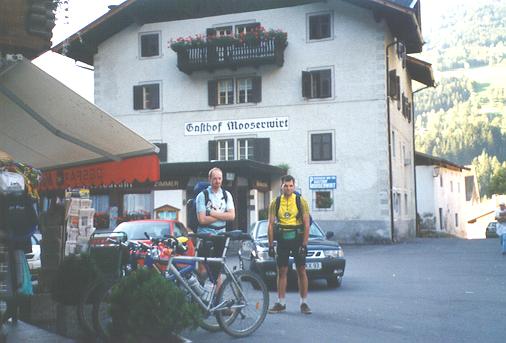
pixel 209 321
pixel 85 308
pixel 102 320
pixel 247 303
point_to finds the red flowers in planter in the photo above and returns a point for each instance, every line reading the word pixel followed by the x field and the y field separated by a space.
pixel 254 36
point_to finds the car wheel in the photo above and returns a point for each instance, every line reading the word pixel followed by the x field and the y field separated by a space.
pixel 334 281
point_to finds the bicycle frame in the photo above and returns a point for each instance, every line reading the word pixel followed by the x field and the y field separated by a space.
pixel 179 276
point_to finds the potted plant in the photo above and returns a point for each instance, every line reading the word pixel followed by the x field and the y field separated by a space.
pixel 145 307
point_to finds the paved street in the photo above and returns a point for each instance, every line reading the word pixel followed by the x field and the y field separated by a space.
pixel 427 290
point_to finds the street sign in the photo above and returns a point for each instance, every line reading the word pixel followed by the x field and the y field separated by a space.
pixel 322 182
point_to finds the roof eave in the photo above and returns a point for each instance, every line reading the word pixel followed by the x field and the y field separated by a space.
pixel 420 71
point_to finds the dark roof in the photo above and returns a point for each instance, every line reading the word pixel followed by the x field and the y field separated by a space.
pixel 420 71
pixel 245 168
pixel 422 159
pixel 403 21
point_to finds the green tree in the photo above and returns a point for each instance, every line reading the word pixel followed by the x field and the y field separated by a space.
pixel 498 181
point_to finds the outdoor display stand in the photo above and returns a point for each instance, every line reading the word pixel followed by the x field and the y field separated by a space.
pixel 78 221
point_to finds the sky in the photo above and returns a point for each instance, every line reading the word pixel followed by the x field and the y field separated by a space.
pixel 83 12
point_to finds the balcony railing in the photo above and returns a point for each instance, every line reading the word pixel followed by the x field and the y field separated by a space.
pixel 212 56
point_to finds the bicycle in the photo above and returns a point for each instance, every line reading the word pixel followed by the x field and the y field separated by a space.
pixel 240 304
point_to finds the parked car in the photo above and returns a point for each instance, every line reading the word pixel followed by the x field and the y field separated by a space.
pixel 490 232
pixel 325 258
pixel 33 258
pixel 156 228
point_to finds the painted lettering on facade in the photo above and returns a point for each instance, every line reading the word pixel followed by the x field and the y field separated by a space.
pixel 235 126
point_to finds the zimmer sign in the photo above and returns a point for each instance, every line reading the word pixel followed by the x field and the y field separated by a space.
pixel 235 126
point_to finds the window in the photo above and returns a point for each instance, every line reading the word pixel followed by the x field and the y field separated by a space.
pixel 321 147
pixel 323 200
pixel 244 90
pixel 235 91
pixel 220 31
pixel 245 28
pixel 150 44
pixel 394 152
pixel 100 203
pixel 397 203
pixel 451 186
pixel 147 97
pixel 225 92
pixel 456 219
pixel 140 205
pixel 226 150
pixel 162 154
pixel 441 180
pixel 320 26
pixel 406 207
pixel 246 149
pixel 256 149
pixel 317 84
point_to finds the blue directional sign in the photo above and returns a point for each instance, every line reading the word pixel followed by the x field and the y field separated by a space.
pixel 322 182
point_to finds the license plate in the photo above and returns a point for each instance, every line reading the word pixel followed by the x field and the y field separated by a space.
pixel 310 266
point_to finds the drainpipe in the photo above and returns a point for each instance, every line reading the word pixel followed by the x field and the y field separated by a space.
pixel 390 176
pixel 413 158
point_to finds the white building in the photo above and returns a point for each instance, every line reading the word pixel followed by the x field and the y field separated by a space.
pixel 329 104
pixel 446 194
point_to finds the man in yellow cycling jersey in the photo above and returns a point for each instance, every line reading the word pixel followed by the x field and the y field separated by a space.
pixel 289 226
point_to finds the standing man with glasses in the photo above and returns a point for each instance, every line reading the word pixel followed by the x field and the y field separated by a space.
pixel 289 226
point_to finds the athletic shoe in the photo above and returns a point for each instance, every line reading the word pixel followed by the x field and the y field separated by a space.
pixel 277 308
pixel 304 308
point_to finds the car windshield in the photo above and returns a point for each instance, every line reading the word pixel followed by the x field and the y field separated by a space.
pixel 135 230
pixel 314 230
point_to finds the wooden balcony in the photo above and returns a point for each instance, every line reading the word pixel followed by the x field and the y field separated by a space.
pixel 212 56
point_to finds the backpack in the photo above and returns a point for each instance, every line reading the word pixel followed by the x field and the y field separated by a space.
pixel 299 207
pixel 192 220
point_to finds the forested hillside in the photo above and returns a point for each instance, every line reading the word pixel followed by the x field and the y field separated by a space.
pixel 463 119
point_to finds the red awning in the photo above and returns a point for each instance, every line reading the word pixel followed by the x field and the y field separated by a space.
pixel 140 168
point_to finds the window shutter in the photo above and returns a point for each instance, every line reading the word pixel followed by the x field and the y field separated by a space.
pixel 162 154
pixel 138 103
pixel 213 150
pixel 212 92
pixel 210 32
pixel 398 91
pixel 257 89
pixel 261 150
pixel 155 97
pixel 392 79
pixel 306 84
pixel 325 83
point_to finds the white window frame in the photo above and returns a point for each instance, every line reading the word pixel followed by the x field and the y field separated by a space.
pixel 332 82
pixel 248 82
pixel 333 141
pixel 226 149
pixel 249 148
pixel 227 100
pixel 314 202
pixel 141 34
pixel 308 28
pixel 160 92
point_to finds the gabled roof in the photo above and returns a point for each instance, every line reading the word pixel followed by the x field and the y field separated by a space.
pixel 403 19
pixel 422 159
